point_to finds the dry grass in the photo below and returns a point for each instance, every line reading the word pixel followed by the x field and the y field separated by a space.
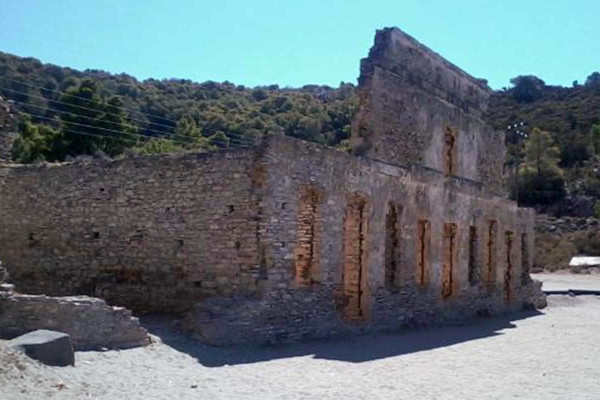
pixel 553 252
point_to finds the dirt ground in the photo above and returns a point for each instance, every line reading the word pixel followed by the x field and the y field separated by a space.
pixel 563 281
pixel 553 354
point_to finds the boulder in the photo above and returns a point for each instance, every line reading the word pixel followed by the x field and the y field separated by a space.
pixel 49 347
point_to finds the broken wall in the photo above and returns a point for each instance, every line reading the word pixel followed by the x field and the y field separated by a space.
pixel 415 107
pixel 90 322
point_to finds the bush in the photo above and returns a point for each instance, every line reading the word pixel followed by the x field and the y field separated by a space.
pixel 587 242
pixel 539 190
pixel 553 252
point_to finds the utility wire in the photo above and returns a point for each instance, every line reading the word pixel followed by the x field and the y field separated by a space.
pixel 82 107
pixel 218 140
pixel 235 135
pixel 162 134
pixel 79 116
pixel 84 98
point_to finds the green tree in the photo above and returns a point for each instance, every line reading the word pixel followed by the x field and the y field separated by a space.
pixel 186 126
pixel 593 80
pixel 220 140
pixel 540 180
pixel 541 153
pixel 90 125
pixel 527 88
pixel 595 138
pixel 113 119
pixel 157 146
pixel 36 142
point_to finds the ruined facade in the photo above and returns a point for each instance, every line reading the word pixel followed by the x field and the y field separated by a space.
pixel 289 239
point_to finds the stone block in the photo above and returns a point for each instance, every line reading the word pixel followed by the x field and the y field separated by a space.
pixel 49 347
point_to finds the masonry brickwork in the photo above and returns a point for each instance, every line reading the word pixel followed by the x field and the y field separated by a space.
pixel 90 322
pixel 154 233
pixel 289 239
pixel 416 107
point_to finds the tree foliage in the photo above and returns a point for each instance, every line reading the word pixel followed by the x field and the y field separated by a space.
pixel 540 178
pixel 593 80
pixel 527 88
pixel 541 154
pixel 97 111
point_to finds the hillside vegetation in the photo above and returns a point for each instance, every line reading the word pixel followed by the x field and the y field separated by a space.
pixel 570 117
pixel 69 112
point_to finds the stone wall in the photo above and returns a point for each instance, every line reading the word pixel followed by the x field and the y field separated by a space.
pixel 90 322
pixel 8 129
pixel 416 107
pixel 277 242
pixel 349 290
pixel 155 233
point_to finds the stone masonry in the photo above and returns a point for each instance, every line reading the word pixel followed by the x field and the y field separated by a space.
pixel 90 322
pixel 416 107
pixel 290 240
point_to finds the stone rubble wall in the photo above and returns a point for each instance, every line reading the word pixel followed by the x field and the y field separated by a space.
pixel 90 322
pixel 560 226
pixel 154 234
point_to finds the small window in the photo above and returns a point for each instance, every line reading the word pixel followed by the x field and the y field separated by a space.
pixel 491 252
pixel 525 278
pixel 392 245
pixel 423 244
pixel 473 251
pixel 450 251
pixel 449 151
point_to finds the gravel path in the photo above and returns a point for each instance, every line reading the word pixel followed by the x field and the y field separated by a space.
pixel 550 355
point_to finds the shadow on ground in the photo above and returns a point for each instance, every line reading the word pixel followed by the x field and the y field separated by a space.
pixel 355 350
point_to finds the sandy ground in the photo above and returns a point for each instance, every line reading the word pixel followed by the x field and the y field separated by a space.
pixel 553 354
pixel 568 281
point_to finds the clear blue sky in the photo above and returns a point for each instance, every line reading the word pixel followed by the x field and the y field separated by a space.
pixel 297 42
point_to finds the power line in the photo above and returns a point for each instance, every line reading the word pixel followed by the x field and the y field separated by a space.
pixel 233 135
pixel 163 135
pixel 81 107
pixel 218 140
pixel 79 115
pixel 84 98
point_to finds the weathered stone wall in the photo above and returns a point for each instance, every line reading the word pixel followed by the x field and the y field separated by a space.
pixel 416 107
pixel 155 233
pixel 8 129
pixel 90 322
pixel 278 242
pixel 348 291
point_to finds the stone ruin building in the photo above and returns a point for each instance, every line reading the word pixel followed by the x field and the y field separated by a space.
pixel 289 239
